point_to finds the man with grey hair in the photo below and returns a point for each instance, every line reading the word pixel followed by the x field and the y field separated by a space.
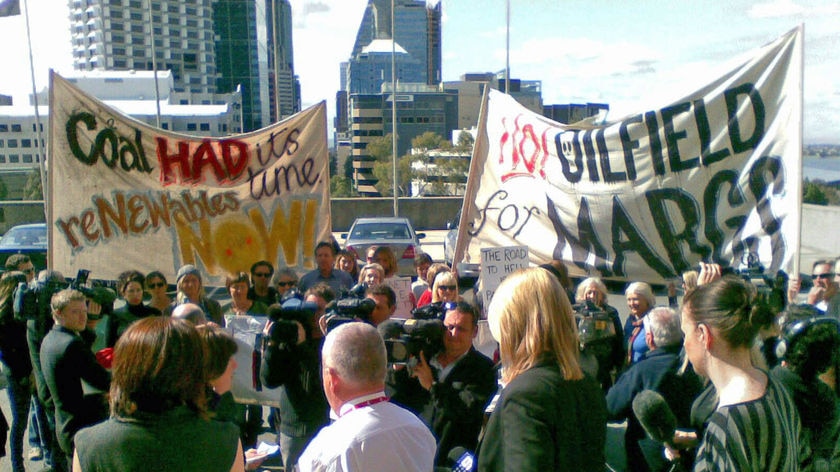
pixel 657 370
pixel 369 433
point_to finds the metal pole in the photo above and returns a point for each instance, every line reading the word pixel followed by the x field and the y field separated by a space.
pixel 394 108
pixel 154 65
pixel 507 47
pixel 39 134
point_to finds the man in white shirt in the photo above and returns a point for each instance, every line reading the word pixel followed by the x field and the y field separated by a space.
pixel 369 433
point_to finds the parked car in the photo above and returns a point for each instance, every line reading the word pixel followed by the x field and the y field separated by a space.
pixel 389 231
pixel 29 239
pixel 451 238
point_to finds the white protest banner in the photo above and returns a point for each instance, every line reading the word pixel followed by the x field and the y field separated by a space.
pixel 247 387
pixel 125 195
pixel 405 298
pixel 496 264
pixel 714 176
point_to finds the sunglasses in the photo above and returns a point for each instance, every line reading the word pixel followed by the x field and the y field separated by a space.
pixel 30 270
pixel 827 275
pixel 447 287
pixel 285 284
pixel 262 274
pixel 157 285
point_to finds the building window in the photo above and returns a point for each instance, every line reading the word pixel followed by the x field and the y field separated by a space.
pixel 27 143
pixel 16 129
pixel 14 158
pixel 204 126
pixel 190 126
pixel 13 143
pixel 4 128
pixel 27 158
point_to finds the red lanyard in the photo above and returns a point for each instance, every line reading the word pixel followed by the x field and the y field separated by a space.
pixel 372 401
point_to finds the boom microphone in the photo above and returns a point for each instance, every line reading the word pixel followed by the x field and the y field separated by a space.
pixel 655 416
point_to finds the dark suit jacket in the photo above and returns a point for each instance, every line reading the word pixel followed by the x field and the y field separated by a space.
pixel 543 422
pixel 657 370
pixel 455 410
pixel 66 361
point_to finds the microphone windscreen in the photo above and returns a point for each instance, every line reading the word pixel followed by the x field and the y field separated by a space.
pixel 390 329
pixel 655 416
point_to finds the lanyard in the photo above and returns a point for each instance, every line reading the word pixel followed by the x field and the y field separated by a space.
pixel 373 401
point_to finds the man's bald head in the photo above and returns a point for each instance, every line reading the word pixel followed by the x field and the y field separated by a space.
pixel 356 353
pixel 190 312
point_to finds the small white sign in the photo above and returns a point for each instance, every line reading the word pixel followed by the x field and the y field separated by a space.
pixel 496 264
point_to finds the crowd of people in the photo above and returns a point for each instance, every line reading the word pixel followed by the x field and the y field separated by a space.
pixel 746 382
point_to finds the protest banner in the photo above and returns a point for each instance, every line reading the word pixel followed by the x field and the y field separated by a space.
pixel 125 195
pixel 496 264
pixel 714 176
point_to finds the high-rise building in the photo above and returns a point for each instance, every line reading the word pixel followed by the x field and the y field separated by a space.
pixel 209 45
pixel 115 35
pixel 413 42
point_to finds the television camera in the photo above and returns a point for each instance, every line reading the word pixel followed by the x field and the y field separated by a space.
pixel 32 301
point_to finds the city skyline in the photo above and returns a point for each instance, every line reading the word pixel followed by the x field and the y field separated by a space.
pixel 632 56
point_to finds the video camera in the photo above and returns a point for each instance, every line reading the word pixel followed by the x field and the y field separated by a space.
pixel 433 311
pixel 771 288
pixel 286 316
pixel 406 339
pixel 595 328
pixel 32 301
pixel 349 309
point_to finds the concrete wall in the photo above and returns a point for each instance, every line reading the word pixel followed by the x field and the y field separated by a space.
pixel 424 212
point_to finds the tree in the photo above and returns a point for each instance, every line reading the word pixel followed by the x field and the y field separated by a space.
pixel 383 171
pixel 427 141
pixel 341 186
pixel 812 193
pixel 465 142
pixel 32 188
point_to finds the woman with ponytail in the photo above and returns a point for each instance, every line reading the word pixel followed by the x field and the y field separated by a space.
pixel 755 425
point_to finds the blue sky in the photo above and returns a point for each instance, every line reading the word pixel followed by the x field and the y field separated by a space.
pixel 633 55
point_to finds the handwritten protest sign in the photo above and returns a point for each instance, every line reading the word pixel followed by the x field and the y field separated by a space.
pixel 120 190
pixel 496 264
pixel 405 298
pixel 714 176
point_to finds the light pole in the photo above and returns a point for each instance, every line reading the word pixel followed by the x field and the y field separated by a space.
pixel 394 108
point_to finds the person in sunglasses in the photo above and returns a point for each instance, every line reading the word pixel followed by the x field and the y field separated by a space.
pixel 286 279
pixel 261 289
pixel 157 287
pixel 445 288
pixel 824 295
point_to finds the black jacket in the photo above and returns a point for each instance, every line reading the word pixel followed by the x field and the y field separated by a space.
pixel 67 361
pixel 543 422
pixel 455 410
pixel 296 368
pixel 657 371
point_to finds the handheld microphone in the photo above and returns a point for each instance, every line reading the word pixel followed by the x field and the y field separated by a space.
pixel 655 416
pixel 462 459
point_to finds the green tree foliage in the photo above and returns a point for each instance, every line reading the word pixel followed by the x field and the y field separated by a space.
pixel 32 188
pixel 465 142
pixel 813 193
pixel 341 186
pixel 384 173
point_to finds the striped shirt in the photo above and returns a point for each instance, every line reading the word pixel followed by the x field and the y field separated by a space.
pixel 759 435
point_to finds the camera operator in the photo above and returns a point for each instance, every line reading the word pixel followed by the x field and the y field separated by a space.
pixel 460 381
pixel 291 359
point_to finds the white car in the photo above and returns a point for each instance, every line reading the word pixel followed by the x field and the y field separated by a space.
pixel 388 231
